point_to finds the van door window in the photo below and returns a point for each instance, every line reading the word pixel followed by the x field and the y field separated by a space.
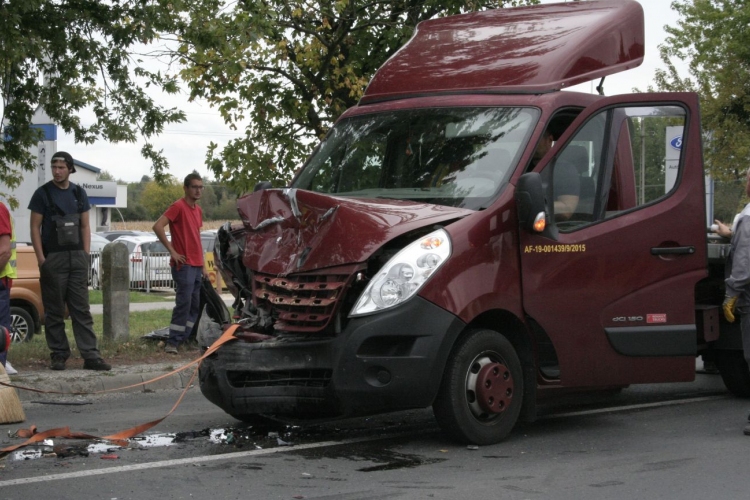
pixel 619 160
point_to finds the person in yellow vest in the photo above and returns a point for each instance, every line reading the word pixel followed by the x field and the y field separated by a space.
pixel 7 275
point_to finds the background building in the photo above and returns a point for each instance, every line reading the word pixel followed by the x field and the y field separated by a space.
pixel 104 196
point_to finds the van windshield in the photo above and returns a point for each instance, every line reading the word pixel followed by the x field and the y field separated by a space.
pixel 459 157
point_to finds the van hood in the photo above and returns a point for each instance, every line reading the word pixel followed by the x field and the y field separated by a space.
pixel 293 230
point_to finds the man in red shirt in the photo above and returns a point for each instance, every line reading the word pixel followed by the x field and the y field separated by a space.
pixel 185 219
pixel 7 274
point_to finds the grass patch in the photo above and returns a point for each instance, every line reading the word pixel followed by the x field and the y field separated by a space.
pixel 95 297
pixel 132 349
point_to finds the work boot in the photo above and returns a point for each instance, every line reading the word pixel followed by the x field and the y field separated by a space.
pixel 58 363
pixel 97 364
pixel 170 349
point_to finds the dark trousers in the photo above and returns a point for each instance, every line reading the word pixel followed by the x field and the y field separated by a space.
pixel 5 284
pixel 64 281
pixel 187 282
pixel 744 314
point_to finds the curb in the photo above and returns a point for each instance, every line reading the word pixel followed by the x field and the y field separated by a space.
pixel 78 380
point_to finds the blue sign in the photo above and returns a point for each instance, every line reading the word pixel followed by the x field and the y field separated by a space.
pixel 676 142
pixel 49 132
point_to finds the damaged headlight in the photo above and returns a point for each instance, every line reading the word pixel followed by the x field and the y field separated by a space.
pixel 404 274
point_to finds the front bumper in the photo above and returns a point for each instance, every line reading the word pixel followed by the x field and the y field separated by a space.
pixel 388 361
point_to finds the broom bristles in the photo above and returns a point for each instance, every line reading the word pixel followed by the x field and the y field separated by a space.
pixel 11 410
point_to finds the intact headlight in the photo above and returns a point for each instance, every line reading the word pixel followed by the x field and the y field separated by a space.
pixel 403 275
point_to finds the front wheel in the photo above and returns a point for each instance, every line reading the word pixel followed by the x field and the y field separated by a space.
pixel 481 394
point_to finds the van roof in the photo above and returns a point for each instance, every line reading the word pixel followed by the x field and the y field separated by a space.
pixel 538 49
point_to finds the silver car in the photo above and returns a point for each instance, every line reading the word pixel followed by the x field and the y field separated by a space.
pixel 148 262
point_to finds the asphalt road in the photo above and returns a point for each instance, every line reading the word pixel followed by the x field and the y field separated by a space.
pixel 653 441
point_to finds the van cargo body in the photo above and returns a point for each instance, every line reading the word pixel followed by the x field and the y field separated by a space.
pixel 432 251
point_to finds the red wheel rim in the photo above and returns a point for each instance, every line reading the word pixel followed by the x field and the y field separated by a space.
pixel 494 388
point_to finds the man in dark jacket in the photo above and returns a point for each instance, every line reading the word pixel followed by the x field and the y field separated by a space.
pixel 61 238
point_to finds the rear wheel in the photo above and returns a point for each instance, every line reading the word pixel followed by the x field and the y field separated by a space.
pixel 481 394
pixel 21 325
pixel 734 371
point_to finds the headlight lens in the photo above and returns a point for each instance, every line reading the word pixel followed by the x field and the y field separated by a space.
pixel 404 274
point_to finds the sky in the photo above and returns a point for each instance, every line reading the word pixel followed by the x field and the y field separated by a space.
pixel 185 144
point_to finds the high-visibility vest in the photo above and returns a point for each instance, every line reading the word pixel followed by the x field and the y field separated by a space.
pixel 9 271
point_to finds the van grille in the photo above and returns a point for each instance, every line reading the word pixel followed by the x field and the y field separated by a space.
pixel 305 302
pixel 280 378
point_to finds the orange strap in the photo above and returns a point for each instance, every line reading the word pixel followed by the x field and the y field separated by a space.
pixel 65 432
pixel 225 337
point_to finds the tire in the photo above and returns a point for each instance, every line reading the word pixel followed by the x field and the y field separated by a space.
pixel 22 325
pixel 481 393
pixel 734 371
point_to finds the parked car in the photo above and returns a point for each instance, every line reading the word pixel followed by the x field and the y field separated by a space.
pixel 98 242
pixel 148 263
pixel 113 235
pixel 26 309
pixel 208 240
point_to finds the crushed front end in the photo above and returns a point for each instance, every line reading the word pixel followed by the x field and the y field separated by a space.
pixel 298 353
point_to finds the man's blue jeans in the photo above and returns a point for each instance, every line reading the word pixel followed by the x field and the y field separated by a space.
pixel 187 282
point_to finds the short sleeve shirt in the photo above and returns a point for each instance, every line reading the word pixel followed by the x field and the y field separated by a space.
pixel 65 199
pixel 185 223
pixel 5 227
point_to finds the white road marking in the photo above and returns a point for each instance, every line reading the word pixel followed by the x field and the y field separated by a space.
pixel 615 409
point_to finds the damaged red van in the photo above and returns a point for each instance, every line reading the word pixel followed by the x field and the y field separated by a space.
pixel 432 252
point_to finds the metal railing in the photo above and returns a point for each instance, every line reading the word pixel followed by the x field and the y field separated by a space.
pixel 147 271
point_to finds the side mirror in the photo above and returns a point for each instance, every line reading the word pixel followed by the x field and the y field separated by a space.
pixel 262 185
pixel 532 211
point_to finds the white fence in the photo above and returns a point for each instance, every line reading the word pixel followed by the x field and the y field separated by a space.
pixel 147 271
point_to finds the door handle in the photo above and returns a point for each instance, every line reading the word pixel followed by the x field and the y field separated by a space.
pixel 673 250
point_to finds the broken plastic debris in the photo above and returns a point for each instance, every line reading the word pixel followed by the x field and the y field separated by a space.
pixel 103 447
pixel 152 440
pixel 472 447
pixel 27 455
